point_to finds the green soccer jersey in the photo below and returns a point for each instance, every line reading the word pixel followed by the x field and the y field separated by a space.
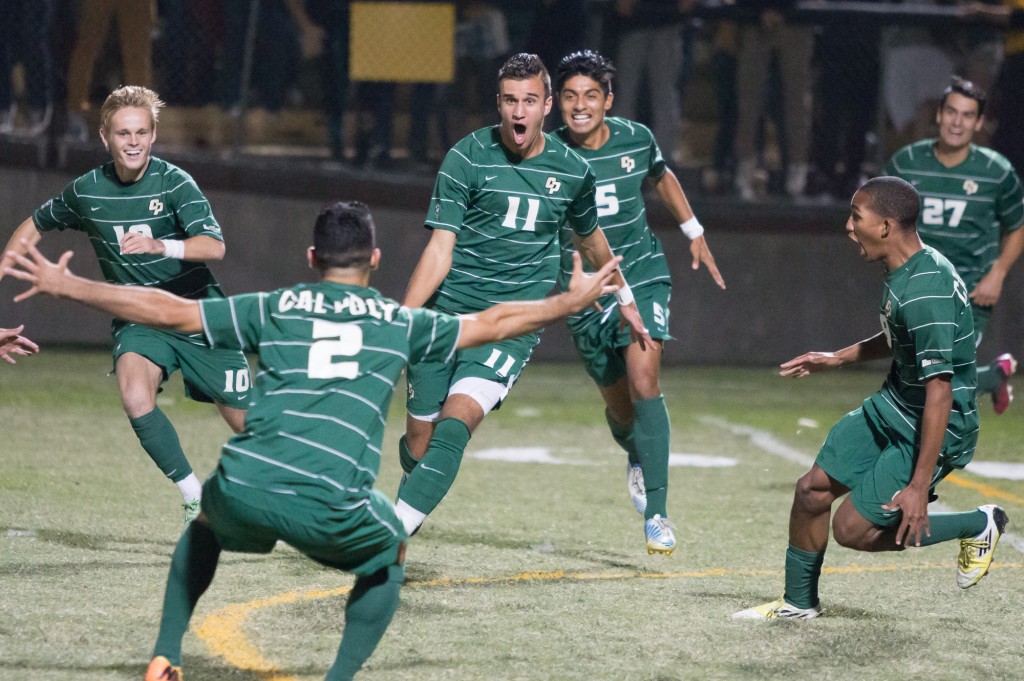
pixel 506 213
pixel 164 204
pixel 329 357
pixel 621 165
pixel 965 210
pixel 927 321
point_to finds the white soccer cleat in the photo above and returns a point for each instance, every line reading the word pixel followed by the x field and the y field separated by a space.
pixel 635 484
pixel 659 535
pixel 976 552
pixel 777 610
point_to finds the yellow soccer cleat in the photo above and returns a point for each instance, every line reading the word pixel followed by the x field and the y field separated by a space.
pixel 976 552
pixel 777 610
pixel 161 669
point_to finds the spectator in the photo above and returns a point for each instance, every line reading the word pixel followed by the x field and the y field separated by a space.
pixel 25 39
pixel 1009 136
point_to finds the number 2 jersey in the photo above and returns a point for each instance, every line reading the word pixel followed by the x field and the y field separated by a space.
pixel 965 210
pixel 164 204
pixel 624 161
pixel 329 357
pixel 926 317
pixel 506 213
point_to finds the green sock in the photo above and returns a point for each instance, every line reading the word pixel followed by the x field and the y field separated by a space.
pixel 405 457
pixel 368 613
pixel 947 526
pixel 157 436
pixel 623 436
pixel 651 431
pixel 989 378
pixel 431 480
pixel 192 568
pixel 803 570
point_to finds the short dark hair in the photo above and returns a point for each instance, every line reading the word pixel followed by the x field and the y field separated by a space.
pixel 894 197
pixel 344 236
pixel 968 89
pixel 524 66
pixel 587 63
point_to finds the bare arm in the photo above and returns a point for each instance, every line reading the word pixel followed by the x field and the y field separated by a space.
pixel 875 347
pixel 432 268
pixel 149 306
pixel 200 248
pixel 672 195
pixel 990 287
pixel 509 320
pixel 913 499
pixel 24 236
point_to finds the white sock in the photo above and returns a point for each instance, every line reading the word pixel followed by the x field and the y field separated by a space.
pixel 410 517
pixel 190 487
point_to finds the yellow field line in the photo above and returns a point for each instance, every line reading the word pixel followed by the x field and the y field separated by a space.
pixel 222 633
pixel 985 490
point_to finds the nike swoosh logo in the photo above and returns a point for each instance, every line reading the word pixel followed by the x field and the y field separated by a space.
pixel 95 208
pixel 432 470
pixel 488 178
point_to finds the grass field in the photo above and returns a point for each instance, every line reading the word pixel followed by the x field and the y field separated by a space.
pixel 529 570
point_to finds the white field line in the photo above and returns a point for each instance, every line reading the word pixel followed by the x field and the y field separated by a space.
pixel 768 443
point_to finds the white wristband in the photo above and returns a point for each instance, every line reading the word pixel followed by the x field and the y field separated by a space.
pixel 174 248
pixel 624 295
pixel 691 228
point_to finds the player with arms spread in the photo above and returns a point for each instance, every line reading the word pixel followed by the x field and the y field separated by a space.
pixel 499 200
pixel 304 469
pixel 622 154
pixel 891 452
pixel 972 212
pixel 150 225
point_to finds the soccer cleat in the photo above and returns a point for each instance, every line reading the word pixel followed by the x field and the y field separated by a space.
pixel 777 610
pixel 635 484
pixel 659 536
pixel 191 509
pixel 161 669
pixel 1003 395
pixel 976 552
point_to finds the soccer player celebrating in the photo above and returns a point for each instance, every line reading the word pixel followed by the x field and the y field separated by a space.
pixel 499 200
pixel 972 211
pixel 150 225
pixel 890 452
pixel 623 154
pixel 304 469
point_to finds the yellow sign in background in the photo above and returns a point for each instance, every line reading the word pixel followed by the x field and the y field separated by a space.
pixel 405 42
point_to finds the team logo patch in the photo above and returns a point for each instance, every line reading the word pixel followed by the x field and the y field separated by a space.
pixel 627 164
pixel 157 206
pixel 888 309
pixel 970 187
pixel 553 185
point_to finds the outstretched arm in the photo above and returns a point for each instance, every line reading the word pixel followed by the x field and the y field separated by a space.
pixel 672 195
pixel 200 248
pixel 11 343
pixel 509 320
pixel 876 347
pixel 432 268
pixel 595 250
pixel 149 306
pixel 24 236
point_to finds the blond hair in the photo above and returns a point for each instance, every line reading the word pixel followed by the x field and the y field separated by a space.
pixel 130 96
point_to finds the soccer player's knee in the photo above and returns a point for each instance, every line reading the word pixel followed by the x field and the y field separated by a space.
pixel 808 497
pixel 452 434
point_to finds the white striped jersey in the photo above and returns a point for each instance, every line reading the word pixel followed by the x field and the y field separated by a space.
pixel 965 210
pixel 506 213
pixel 926 317
pixel 329 357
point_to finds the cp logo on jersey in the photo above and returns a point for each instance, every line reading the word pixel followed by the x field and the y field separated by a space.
pixel 627 163
pixel 157 206
pixel 970 187
pixel 553 185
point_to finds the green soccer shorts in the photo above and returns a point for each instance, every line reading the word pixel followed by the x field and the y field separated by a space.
pixel 486 374
pixel 600 341
pixel 361 540
pixel 874 462
pixel 210 375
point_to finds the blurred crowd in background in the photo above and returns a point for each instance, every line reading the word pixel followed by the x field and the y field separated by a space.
pixel 756 97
